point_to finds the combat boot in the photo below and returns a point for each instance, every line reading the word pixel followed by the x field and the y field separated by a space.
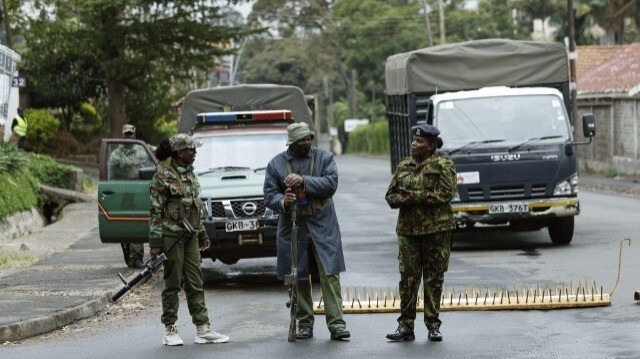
pixel 171 336
pixel 402 334
pixel 204 335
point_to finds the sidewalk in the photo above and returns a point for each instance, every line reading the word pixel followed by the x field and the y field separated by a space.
pixel 73 278
pixel 75 274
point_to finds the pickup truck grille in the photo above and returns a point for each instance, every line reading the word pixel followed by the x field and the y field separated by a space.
pixel 506 192
pixel 237 208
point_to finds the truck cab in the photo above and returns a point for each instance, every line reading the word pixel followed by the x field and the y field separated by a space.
pixel 513 150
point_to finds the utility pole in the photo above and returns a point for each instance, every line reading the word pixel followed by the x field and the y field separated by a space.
pixel 427 23
pixel 572 63
pixel 443 35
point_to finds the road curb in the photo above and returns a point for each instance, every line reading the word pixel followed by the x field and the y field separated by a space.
pixel 32 327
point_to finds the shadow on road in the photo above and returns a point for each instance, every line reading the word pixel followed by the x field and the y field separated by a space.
pixel 247 273
pixel 500 239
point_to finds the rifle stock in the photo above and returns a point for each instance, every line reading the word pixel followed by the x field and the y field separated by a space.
pixel 151 265
pixel 292 279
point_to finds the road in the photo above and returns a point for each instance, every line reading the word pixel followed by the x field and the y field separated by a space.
pixel 247 303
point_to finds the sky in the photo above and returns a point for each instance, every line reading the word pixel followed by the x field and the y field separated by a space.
pixel 244 8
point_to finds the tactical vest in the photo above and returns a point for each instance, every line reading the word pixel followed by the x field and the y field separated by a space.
pixel 21 126
pixel 316 204
pixel 178 208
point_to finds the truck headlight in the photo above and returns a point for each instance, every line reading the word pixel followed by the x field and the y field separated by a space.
pixel 567 187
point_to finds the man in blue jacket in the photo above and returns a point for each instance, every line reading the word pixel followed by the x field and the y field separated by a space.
pixel 315 174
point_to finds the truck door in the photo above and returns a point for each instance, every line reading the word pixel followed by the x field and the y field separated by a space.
pixel 126 167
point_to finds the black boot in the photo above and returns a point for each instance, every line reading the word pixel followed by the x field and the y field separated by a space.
pixel 402 334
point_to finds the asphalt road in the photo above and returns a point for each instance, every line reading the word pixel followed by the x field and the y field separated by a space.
pixel 247 303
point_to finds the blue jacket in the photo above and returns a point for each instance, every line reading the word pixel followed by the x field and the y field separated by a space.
pixel 323 226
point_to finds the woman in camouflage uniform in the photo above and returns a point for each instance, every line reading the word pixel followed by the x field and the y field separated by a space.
pixel 175 196
pixel 422 188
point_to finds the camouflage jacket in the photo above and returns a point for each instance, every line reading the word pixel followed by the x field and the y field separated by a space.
pixel 124 162
pixel 433 183
pixel 175 194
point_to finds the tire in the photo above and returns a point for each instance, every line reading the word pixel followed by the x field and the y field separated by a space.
pixel 561 230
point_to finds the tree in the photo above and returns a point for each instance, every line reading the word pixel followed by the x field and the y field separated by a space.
pixel 135 41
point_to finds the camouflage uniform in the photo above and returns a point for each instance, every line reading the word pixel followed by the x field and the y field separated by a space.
pixel 424 228
pixel 175 195
pixel 125 161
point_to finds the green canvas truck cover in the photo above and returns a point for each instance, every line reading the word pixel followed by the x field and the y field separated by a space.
pixel 244 98
pixel 475 64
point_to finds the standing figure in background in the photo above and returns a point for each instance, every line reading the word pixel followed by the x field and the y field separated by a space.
pixel 19 127
pixel 314 173
pixel 124 163
pixel 422 188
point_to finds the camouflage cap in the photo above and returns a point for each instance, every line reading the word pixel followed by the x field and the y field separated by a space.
pixel 182 141
pixel 128 129
pixel 298 131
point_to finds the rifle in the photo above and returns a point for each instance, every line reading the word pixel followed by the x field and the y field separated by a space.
pixel 292 279
pixel 152 264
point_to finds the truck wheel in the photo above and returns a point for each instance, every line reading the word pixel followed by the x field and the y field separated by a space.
pixel 561 230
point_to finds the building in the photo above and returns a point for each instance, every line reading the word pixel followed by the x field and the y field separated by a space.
pixel 608 85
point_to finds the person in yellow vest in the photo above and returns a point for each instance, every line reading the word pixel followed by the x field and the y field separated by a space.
pixel 19 126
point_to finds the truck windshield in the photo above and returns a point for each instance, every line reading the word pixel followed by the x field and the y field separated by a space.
pixel 238 151
pixel 512 119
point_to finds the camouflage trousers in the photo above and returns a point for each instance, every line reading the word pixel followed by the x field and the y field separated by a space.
pixel 425 258
pixel 182 271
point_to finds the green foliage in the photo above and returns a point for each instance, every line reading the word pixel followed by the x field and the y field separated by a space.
pixel 10 158
pixel 19 191
pixel 610 171
pixel 86 122
pixel 42 127
pixel 122 47
pixel 21 174
pixel 49 172
pixel 371 139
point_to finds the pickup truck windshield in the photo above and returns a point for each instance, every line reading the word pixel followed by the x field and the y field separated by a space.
pixel 513 119
pixel 238 151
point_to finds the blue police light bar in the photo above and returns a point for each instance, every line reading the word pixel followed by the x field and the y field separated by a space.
pixel 244 116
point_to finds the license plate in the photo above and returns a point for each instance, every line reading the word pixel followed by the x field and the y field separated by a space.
pixel 242 225
pixel 509 208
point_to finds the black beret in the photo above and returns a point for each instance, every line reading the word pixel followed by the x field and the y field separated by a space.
pixel 425 130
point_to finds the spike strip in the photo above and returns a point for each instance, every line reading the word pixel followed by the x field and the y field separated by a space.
pixel 536 298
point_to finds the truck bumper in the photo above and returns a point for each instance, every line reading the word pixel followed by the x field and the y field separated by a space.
pixel 537 209
pixel 229 247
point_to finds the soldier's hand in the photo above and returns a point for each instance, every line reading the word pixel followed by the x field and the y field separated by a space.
pixel 204 244
pixel 154 251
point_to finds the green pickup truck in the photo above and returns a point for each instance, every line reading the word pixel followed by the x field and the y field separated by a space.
pixel 241 129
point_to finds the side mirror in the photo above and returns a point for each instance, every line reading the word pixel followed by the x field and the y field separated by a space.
pixel 588 125
pixel 146 173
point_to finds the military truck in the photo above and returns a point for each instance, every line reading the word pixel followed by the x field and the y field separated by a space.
pixel 503 110
pixel 241 128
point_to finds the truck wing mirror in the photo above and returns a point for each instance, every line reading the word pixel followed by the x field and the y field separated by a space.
pixel 146 173
pixel 588 125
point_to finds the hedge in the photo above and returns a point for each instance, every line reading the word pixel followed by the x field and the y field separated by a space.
pixel 372 139
pixel 21 174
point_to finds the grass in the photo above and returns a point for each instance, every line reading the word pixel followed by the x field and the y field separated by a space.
pixel 10 259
